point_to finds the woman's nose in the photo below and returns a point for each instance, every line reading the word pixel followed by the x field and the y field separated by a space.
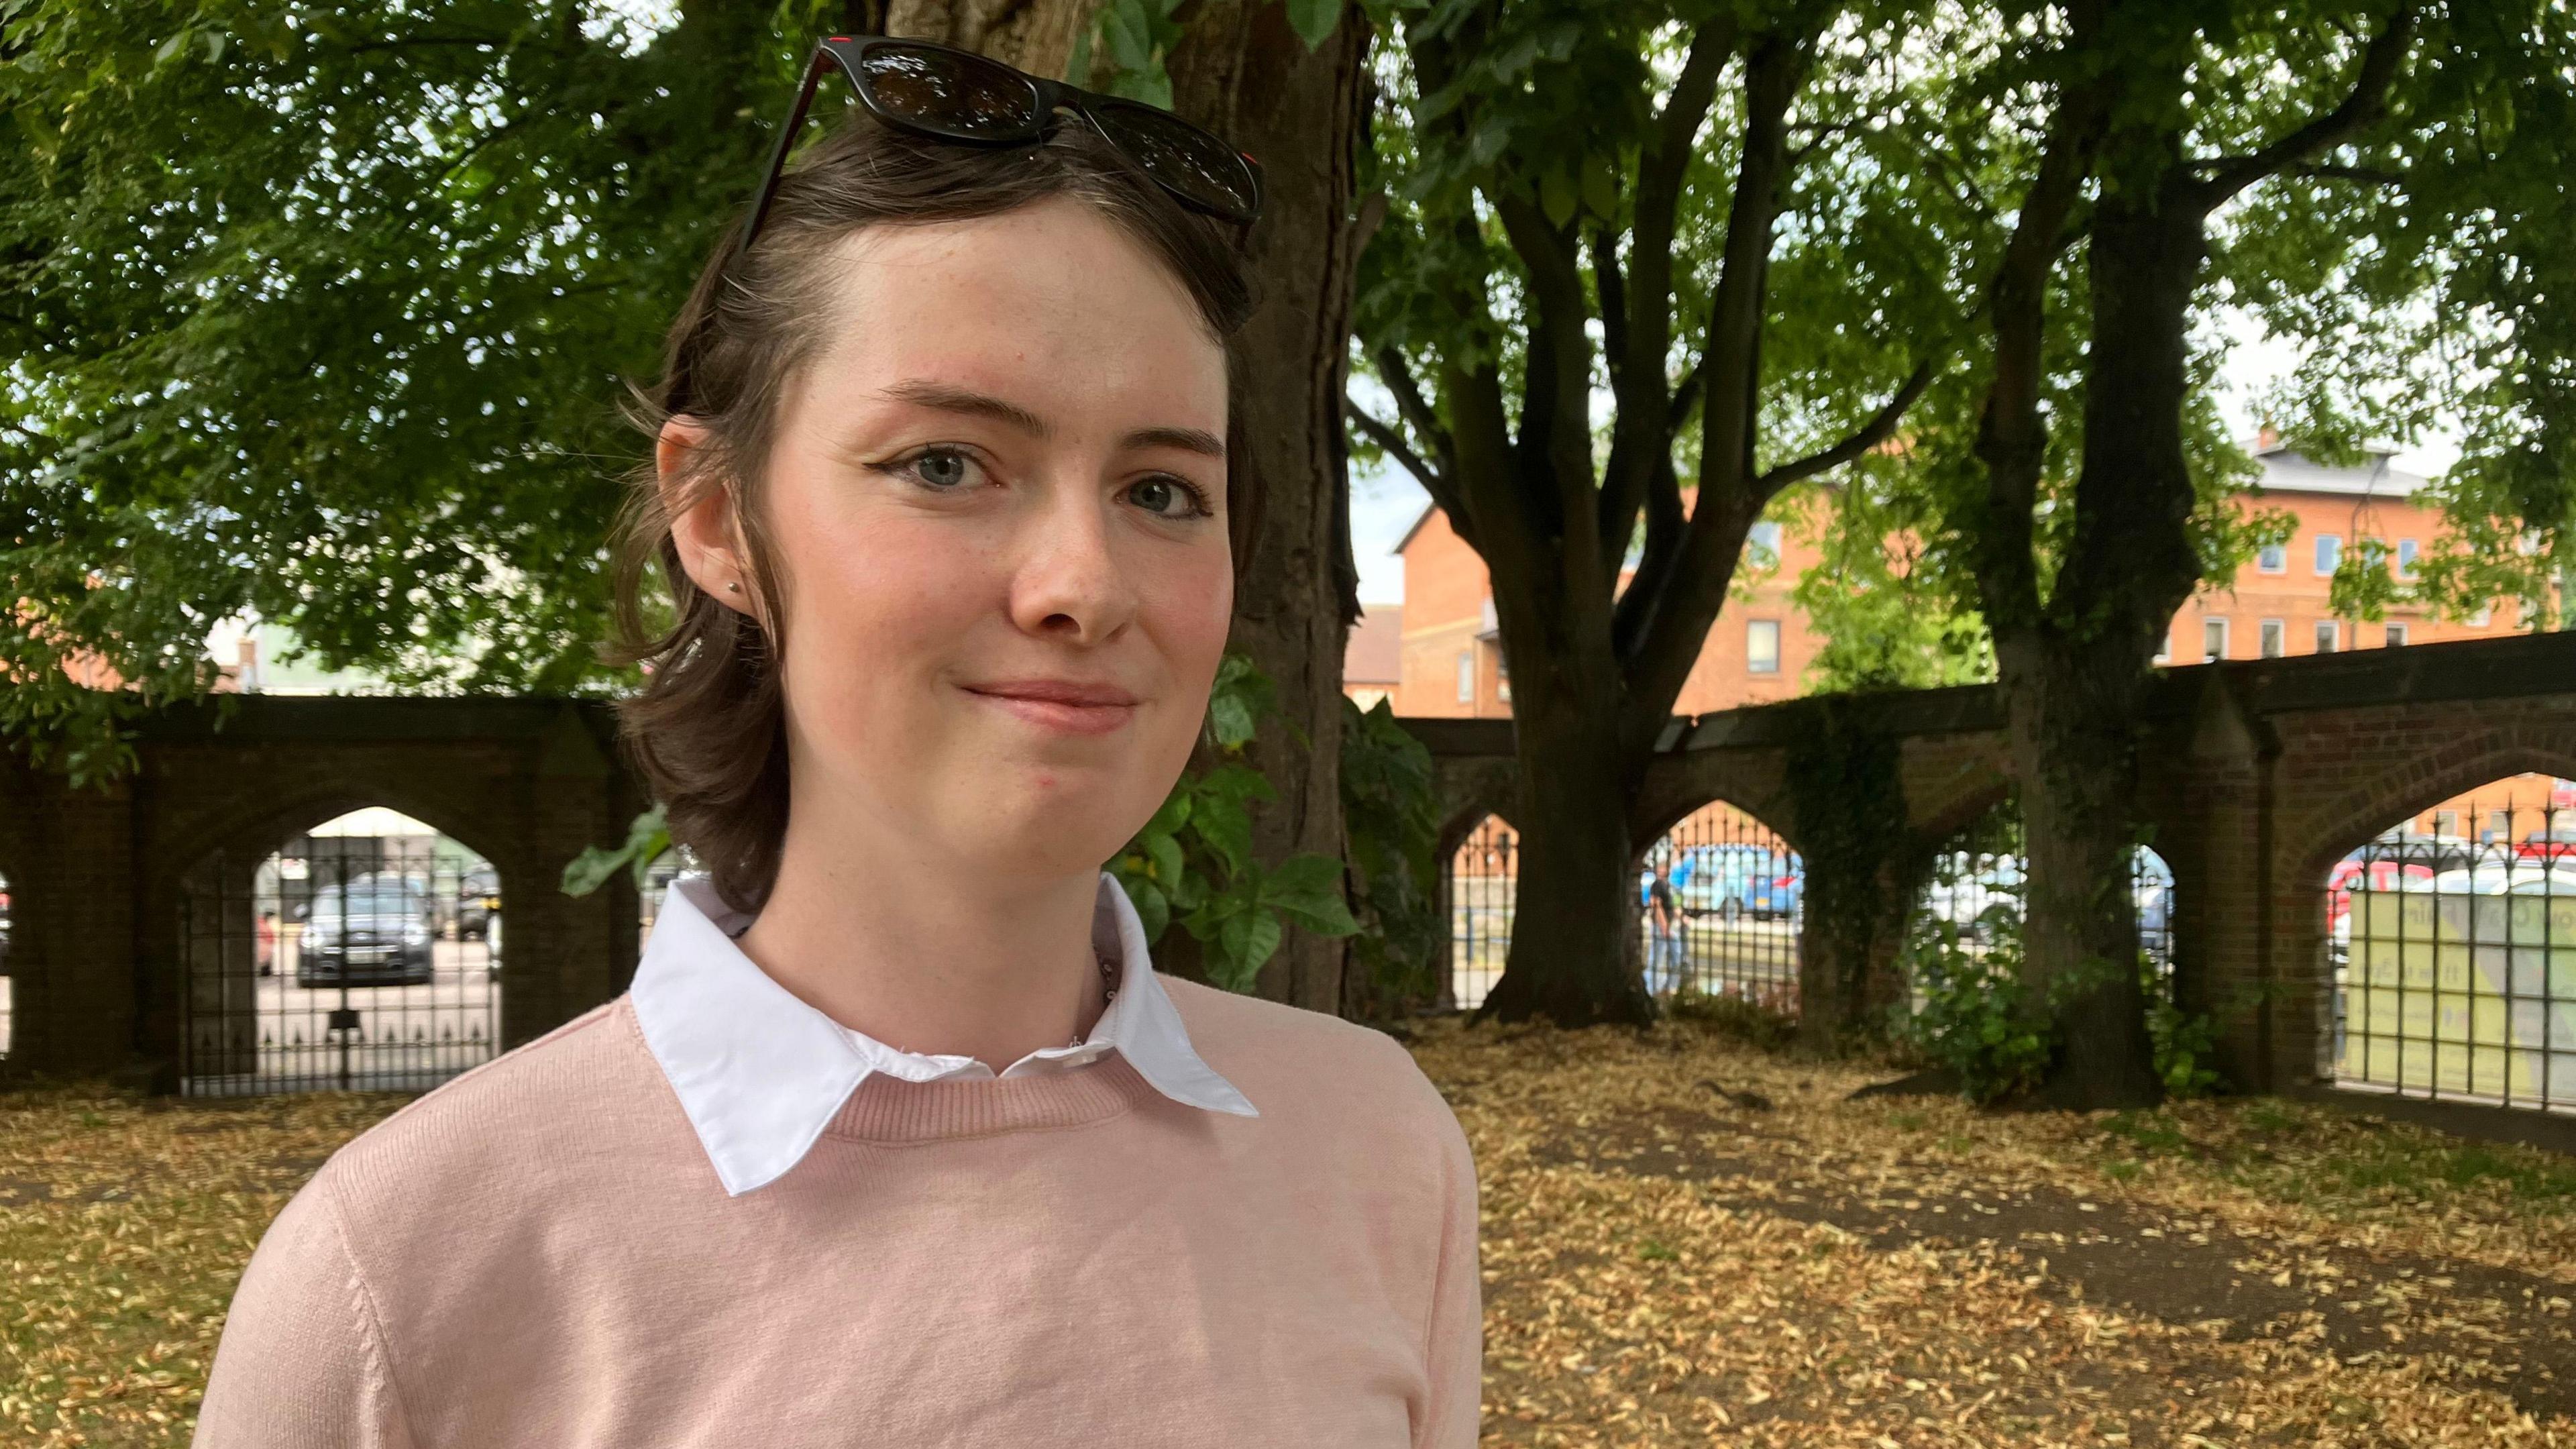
pixel 1069 583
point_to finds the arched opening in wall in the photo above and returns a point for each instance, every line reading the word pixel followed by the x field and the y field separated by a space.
pixel 1720 898
pixel 1965 927
pixel 1480 882
pixel 364 954
pixel 2451 950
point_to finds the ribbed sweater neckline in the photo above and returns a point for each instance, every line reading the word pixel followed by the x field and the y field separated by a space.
pixel 886 1109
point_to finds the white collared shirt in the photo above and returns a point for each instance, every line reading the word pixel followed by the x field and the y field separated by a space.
pixel 761 1073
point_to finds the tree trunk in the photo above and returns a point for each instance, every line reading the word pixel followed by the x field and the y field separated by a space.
pixel 1241 72
pixel 2071 713
pixel 1573 958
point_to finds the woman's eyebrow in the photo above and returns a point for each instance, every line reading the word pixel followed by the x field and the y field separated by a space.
pixel 948 398
pixel 1194 440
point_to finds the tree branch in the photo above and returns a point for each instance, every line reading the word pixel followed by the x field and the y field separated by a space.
pixel 1613 291
pixel 1397 374
pixel 1556 381
pixel 1685 397
pixel 1669 606
pixel 2365 103
pixel 1393 443
pixel 1881 425
pixel 1640 435
pixel 2012 437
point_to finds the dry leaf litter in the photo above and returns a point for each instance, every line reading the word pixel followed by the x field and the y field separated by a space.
pixel 1686 1241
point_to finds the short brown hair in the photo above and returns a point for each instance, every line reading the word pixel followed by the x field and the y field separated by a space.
pixel 707 728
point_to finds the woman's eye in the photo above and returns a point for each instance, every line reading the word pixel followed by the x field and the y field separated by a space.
pixel 1168 498
pixel 943 468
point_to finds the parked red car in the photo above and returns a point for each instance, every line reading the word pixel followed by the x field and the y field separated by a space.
pixel 2549 845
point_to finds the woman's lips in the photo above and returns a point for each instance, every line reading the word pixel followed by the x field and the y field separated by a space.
pixel 1061 705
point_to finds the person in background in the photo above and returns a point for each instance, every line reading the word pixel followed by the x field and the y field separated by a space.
pixel 1664 922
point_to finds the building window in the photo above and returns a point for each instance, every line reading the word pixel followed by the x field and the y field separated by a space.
pixel 2480 619
pixel 2213 639
pixel 2275 638
pixel 2446 822
pixel 1466 676
pixel 2406 558
pixel 2500 826
pixel 2164 646
pixel 2329 636
pixel 1502 676
pixel 2274 558
pixel 1762 646
pixel 2396 635
pixel 2329 552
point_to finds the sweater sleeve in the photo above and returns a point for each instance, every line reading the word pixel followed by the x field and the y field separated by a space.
pixel 302 1361
pixel 1455 1351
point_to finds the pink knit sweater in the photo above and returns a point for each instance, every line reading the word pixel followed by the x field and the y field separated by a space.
pixel 539 1253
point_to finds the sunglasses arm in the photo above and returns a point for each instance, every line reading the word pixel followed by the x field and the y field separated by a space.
pixel 814 69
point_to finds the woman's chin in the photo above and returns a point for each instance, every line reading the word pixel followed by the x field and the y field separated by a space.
pixel 1050 823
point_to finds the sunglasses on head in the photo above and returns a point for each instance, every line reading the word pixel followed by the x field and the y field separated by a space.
pixel 956 95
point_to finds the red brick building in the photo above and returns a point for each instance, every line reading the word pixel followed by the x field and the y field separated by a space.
pixel 1451 662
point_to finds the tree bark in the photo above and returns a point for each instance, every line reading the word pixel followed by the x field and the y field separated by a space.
pixel 2071 712
pixel 1573 956
pixel 1242 73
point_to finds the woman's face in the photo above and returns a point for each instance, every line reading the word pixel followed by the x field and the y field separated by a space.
pixel 997 507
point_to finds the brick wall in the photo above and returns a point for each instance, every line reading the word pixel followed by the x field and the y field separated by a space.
pixel 99 880
pixel 2257 776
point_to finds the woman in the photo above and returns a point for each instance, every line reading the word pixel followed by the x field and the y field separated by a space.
pixel 943 502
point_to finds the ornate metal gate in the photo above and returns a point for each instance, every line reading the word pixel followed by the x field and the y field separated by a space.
pixel 353 962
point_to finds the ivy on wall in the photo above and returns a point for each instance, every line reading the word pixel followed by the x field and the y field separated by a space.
pixel 1848 804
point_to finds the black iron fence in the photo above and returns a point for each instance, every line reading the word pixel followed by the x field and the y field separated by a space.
pixel 1973 899
pixel 2453 958
pixel 1481 883
pixel 367 963
pixel 1720 900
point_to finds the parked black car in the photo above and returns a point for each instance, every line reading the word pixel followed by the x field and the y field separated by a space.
pixel 375 930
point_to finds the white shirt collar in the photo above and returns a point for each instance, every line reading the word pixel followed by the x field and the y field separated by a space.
pixel 761 1073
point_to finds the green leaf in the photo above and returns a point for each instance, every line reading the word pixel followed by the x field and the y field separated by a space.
pixel 1307 889
pixel 1601 187
pixel 591 869
pixel 1077 66
pixel 1165 853
pixel 1153 908
pixel 1247 941
pixel 1174 814
pixel 1226 827
pixel 1230 720
pixel 1129 35
pixel 1314 20
pixel 1556 196
pixel 648 838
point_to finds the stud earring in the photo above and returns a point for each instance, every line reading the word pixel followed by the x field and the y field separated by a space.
pixel 735 587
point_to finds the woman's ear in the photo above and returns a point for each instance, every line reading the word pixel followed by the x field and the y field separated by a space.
pixel 701 513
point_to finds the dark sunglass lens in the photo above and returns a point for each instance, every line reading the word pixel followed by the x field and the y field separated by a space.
pixel 1183 157
pixel 956 95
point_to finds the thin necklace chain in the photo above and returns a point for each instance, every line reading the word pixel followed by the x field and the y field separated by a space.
pixel 1108 994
